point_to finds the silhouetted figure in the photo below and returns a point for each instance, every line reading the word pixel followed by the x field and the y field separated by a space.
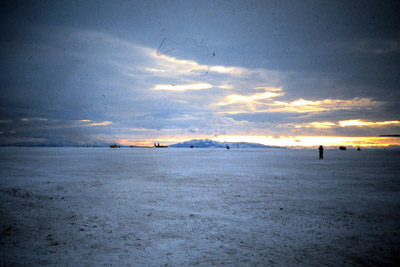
pixel 358 149
pixel 321 152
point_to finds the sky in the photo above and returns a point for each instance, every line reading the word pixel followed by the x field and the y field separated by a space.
pixel 289 73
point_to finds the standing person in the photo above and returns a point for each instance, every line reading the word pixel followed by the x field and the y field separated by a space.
pixel 321 152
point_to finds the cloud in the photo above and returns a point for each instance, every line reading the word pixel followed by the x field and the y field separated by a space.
pixel 268 89
pixel 32 119
pixel 170 66
pixel 360 123
pixel 104 123
pixel 378 47
pixel 345 123
pixel 302 105
pixel 226 86
pixel 127 87
pixel 183 87
pixel 319 125
pixel 296 106
pixel 251 99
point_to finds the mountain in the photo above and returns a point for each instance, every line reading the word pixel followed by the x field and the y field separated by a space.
pixel 207 143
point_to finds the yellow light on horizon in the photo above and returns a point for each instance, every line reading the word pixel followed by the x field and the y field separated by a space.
pixel 282 141
pixel 313 141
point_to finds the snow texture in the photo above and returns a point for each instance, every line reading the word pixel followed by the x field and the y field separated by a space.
pixel 161 207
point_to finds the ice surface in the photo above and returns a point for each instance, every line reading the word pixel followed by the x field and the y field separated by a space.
pixel 157 207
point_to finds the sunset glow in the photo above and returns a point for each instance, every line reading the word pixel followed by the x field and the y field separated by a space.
pixel 314 141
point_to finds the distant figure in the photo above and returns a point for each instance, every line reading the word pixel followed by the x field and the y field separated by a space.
pixel 321 152
pixel 227 147
pixel 358 149
pixel 158 145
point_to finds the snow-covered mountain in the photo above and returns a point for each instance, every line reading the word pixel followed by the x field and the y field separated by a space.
pixel 207 143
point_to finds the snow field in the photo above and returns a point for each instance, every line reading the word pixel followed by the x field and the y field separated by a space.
pixel 157 207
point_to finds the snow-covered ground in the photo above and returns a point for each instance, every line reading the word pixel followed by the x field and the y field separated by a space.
pixel 157 207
